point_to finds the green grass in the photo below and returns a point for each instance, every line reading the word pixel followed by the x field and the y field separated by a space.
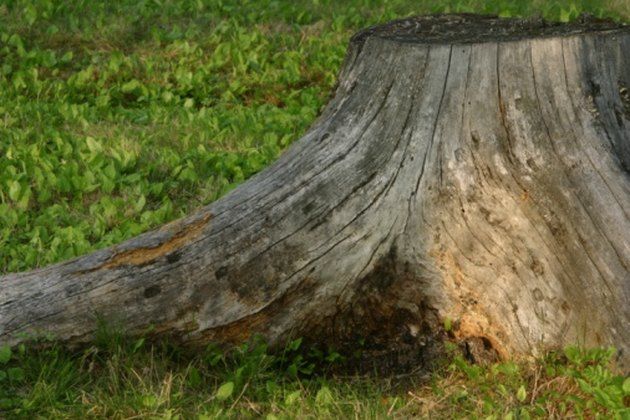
pixel 119 378
pixel 116 117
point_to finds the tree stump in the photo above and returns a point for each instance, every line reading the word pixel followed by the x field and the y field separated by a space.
pixel 469 178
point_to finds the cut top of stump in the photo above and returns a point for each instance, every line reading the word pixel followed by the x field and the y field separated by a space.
pixel 470 29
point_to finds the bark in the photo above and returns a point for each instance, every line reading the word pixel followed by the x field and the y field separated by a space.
pixel 470 172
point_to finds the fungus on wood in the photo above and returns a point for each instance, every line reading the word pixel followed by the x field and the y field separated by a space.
pixel 470 171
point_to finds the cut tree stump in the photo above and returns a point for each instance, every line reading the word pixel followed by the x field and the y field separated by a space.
pixel 469 180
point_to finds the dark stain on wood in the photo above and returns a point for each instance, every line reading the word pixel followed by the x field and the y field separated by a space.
pixel 387 327
pixel 221 272
pixel 594 88
pixel 173 257
pixel 152 291
pixel 480 350
pixel 249 326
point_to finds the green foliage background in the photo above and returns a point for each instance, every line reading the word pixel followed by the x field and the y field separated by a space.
pixel 118 116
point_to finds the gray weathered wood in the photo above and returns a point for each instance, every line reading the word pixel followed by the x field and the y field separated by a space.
pixel 467 169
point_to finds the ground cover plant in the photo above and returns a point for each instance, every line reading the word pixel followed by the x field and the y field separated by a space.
pixel 116 117
pixel 119 378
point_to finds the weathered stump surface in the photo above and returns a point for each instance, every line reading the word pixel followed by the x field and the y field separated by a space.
pixel 469 171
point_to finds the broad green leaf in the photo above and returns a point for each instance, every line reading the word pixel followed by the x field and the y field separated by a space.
pixel 137 345
pixel 67 57
pixel 5 354
pixel 93 145
pixel 15 374
pixel 194 377
pixel 130 86
pixel 295 344
pixel 225 391
pixel 14 190
pixel 139 205
pixel 324 396
pixel 150 401
pixel 292 397
pixel 167 96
